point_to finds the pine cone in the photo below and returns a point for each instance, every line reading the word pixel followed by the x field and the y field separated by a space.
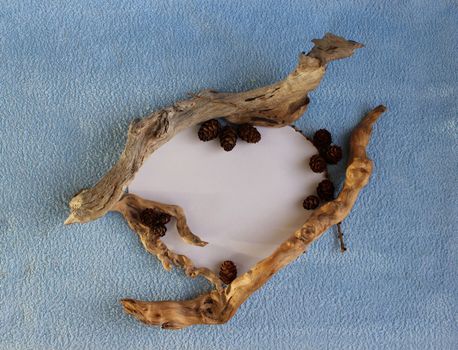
pixel 209 130
pixel 162 218
pixel 147 217
pixel 152 217
pixel 317 163
pixel 249 133
pixel 322 151
pixel 227 272
pixel 311 202
pixel 228 138
pixel 158 230
pixel 325 190
pixel 333 154
pixel 322 138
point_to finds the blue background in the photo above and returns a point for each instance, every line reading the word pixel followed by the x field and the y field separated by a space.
pixel 74 73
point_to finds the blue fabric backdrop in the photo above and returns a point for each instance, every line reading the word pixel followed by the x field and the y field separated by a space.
pixel 74 73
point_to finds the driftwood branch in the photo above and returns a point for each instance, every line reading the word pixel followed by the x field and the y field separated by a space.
pixel 218 306
pixel 130 206
pixel 276 105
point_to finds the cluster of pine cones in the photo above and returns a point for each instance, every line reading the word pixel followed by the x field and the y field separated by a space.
pixel 328 154
pixel 325 192
pixel 211 129
pixel 155 220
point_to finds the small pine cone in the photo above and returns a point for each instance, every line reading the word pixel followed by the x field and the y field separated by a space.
pixel 158 230
pixel 333 154
pixel 228 138
pixel 322 138
pixel 162 218
pixel 152 217
pixel 311 202
pixel 325 190
pixel 249 133
pixel 227 272
pixel 148 217
pixel 317 163
pixel 322 151
pixel 209 130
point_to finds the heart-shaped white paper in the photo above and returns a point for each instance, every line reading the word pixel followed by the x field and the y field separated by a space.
pixel 244 203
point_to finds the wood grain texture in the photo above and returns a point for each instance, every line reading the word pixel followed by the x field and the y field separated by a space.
pixel 275 105
pixel 219 305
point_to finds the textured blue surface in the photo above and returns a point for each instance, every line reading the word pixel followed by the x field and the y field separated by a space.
pixel 74 73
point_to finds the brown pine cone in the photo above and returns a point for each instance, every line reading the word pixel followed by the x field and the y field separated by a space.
pixel 311 202
pixel 322 138
pixel 147 217
pixel 227 272
pixel 228 138
pixel 333 154
pixel 209 130
pixel 317 163
pixel 322 151
pixel 249 133
pixel 152 217
pixel 158 230
pixel 162 218
pixel 325 190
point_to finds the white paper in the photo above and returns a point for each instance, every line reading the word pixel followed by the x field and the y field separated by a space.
pixel 244 202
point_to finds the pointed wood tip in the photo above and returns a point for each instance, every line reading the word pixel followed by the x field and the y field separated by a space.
pixel 380 109
pixel 71 220
pixel 332 47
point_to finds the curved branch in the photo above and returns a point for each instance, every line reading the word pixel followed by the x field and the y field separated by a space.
pixel 218 307
pixel 275 105
pixel 130 206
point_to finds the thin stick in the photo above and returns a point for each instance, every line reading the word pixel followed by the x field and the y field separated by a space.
pixel 340 237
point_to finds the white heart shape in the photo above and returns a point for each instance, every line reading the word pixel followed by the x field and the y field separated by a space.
pixel 244 203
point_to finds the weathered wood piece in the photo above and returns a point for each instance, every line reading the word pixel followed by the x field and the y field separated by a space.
pixel 275 105
pixel 130 206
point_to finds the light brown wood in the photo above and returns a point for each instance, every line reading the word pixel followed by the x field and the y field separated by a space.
pixel 130 206
pixel 218 306
pixel 275 105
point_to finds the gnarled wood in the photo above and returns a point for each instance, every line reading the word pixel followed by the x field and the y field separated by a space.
pixel 276 105
pixel 218 306
pixel 130 206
